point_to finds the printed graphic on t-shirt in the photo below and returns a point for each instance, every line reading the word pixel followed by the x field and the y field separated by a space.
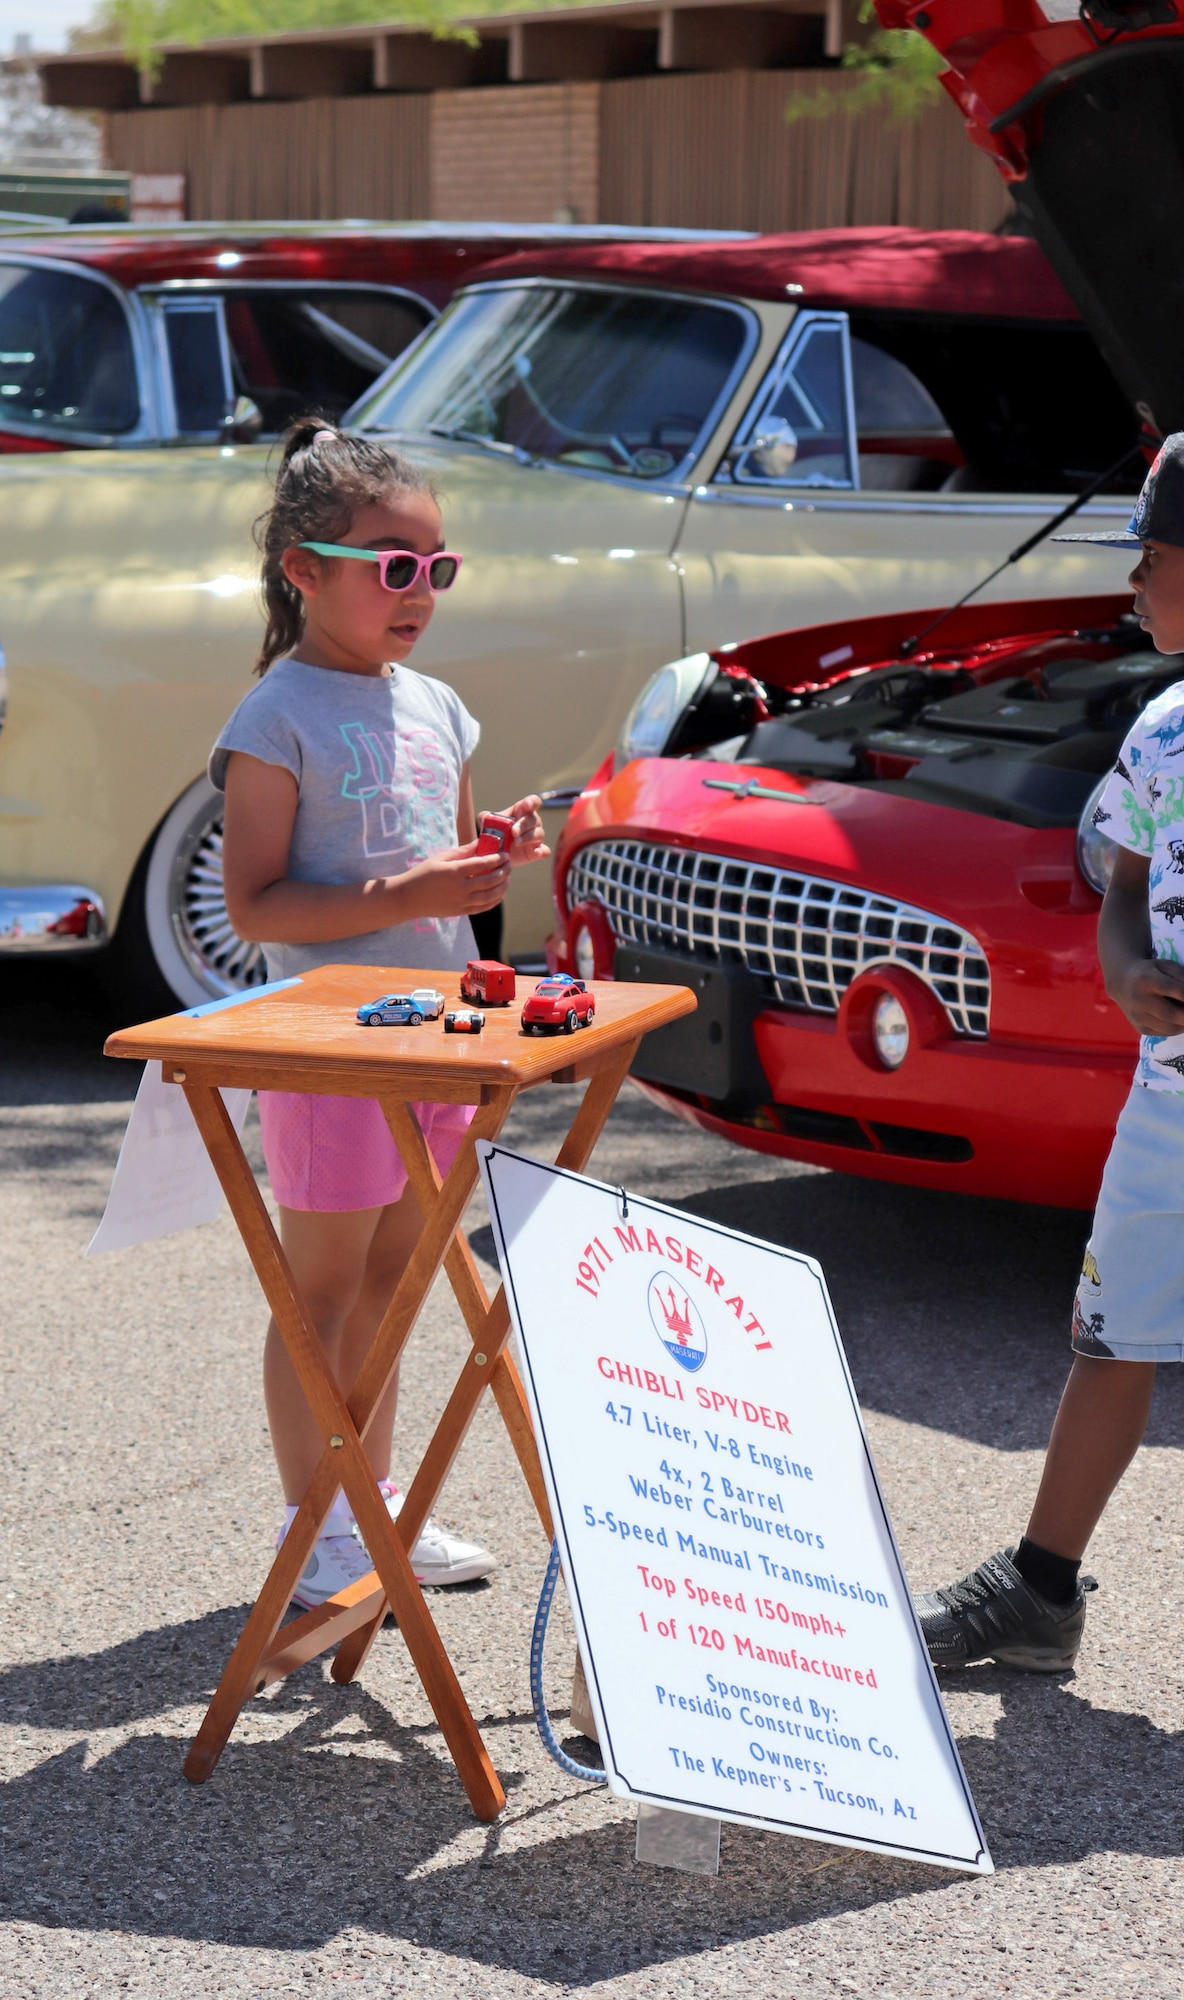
pixel 1142 808
pixel 403 784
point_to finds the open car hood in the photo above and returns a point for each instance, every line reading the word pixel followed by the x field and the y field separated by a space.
pixel 1082 110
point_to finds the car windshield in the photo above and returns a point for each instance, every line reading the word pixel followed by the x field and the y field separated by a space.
pixel 66 359
pixel 621 382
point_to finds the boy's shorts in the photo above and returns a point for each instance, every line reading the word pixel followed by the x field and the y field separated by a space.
pixel 1130 1298
pixel 329 1154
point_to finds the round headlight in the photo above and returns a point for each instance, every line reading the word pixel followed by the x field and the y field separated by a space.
pixel 1095 853
pixel 890 1031
pixel 584 953
pixel 655 715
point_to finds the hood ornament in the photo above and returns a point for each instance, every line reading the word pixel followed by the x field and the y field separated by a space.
pixel 748 788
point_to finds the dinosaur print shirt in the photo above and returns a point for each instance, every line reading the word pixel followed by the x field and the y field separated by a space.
pixel 1142 807
pixel 377 762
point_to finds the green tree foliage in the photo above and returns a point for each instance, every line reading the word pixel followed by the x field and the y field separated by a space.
pixel 140 26
pixel 897 70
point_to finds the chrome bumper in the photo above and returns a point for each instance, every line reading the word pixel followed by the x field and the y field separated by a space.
pixel 57 916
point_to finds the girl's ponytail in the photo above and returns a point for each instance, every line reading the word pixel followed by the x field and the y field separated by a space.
pixel 325 475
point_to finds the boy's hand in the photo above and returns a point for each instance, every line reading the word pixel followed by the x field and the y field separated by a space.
pixel 1151 994
pixel 528 843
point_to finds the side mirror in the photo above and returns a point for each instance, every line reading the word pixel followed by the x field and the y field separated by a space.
pixel 774 450
pixel 242 422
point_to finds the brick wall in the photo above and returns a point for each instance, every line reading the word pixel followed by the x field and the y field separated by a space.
pixel 530 154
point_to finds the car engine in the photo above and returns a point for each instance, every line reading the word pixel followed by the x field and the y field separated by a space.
pixel 1019 735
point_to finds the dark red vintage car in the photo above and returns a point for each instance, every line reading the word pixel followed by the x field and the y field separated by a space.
pixel 130 337
pixel 870 845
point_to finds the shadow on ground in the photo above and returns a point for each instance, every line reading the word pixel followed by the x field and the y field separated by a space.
pixel 344 1818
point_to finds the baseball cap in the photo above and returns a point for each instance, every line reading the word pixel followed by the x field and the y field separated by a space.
pixel 1159 509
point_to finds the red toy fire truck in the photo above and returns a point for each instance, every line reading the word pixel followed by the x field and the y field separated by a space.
pixel 487 983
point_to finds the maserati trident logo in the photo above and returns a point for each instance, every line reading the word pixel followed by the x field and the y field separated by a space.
pixel 678 1322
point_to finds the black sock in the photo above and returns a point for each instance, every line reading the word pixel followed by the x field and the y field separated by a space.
pixel 1055 1577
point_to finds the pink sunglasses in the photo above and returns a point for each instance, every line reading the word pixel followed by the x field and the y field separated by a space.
pixel 398 569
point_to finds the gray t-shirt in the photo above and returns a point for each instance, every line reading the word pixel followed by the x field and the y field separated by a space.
pixel 378 761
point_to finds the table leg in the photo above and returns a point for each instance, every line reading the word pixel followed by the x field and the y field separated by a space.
pixel 489 1327
pixel 343 1425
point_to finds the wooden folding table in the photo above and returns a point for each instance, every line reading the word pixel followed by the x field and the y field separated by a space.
pixel 306 1038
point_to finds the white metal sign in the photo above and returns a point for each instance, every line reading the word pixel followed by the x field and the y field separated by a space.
pixel 749 1641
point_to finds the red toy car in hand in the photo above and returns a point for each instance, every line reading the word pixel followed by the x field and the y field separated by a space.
pixel 558 1003
pixel 495 834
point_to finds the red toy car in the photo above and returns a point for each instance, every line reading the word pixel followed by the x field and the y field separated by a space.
pixel 558 1003
pixel 495 833
pixel 488 982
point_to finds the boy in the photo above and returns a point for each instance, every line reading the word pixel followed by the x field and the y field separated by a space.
pixel 1024 1607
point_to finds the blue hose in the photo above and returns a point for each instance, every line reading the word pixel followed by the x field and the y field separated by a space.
pixel 587 1772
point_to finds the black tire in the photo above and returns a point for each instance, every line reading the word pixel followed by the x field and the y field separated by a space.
pixel 589 1017
pixel 571 1022
pixel 373 1021
pixel 415 1020
pixel 448 1028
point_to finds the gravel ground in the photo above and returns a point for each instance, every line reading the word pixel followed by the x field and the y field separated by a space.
pixel 333 1849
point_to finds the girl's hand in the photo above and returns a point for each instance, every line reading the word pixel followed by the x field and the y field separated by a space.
pixel 528 843
pixel 457 882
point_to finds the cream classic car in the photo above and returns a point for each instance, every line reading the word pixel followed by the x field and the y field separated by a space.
pixel 642 450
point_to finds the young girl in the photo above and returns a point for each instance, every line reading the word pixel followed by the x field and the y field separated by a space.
pixel 350 836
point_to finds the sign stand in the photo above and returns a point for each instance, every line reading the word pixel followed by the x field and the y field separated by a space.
pixel 744 1621
pixel 678 1840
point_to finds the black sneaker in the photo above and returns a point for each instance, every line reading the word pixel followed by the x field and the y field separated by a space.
pixel 992 1614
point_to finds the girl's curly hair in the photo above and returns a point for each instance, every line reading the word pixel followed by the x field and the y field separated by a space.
pixel 324 477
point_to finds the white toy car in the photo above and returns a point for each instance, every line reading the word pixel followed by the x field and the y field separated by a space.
pixel 464 1021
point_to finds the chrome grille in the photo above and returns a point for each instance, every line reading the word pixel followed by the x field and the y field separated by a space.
pixel 803 937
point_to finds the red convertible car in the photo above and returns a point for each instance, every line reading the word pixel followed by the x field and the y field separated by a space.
pixel 880 875
pixel 870 846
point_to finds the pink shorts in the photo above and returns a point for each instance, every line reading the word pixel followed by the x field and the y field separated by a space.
pixel 335 1153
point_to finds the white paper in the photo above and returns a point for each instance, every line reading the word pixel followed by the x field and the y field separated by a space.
pixel 163 1178
pixel 747 1632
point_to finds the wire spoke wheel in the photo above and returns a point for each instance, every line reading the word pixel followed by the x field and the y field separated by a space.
pixel 201 922
pixel 189 932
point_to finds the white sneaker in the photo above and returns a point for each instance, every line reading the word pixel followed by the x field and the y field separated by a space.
pixel 438 1558
pixel 336 1562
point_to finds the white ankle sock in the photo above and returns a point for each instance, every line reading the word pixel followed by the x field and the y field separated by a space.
pixel 340 1521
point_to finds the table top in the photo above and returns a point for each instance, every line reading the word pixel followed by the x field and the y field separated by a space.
pixel 305 1037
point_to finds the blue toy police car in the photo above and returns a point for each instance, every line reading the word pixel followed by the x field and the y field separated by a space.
pixel 402 1010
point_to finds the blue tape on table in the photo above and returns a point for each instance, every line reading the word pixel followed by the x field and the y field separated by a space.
pixel 238 999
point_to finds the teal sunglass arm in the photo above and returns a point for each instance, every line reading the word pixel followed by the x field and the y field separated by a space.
pixel 338 549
